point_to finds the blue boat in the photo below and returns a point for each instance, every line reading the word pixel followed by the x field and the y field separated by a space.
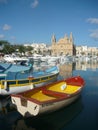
pixel 37 79
pixel 7 69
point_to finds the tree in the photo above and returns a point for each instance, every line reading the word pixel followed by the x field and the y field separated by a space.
pixel 21 48
pixel 7 48
pixel 29 48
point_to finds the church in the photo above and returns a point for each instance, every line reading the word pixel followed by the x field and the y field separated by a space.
pixel 64 46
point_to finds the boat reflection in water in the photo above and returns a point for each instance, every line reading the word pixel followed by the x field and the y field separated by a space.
pixel 53 121
pixel 8 114
pixel 5 105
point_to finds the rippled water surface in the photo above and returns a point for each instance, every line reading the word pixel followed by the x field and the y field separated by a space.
pixel 80 115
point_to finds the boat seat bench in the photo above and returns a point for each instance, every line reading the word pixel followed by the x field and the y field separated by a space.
pixel 58 92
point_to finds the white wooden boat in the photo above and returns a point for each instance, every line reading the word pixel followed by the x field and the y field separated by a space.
pixel 48 98
pixel 20 85
pixel 56 120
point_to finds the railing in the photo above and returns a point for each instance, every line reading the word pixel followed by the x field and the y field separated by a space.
pixel 22 82
pixel 14 83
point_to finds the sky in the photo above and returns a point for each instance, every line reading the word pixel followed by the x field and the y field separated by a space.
pixel 35 21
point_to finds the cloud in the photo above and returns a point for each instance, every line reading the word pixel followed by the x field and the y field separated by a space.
pixel 6 27
pixel 92 20
pixel 1 36
pixel 34 4
pixel 94 34
pixel 13 37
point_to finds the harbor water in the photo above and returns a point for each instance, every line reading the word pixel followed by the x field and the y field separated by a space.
pixel 80 115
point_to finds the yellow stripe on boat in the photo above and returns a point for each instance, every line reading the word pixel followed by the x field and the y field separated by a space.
pixel 22 82
pixel 69 89
pixel 15 84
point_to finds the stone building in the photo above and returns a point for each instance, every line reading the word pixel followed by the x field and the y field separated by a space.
pixel 64 46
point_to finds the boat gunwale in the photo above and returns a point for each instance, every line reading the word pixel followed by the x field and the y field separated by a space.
pixel 75 78
pixel 60 98
pixel 40 80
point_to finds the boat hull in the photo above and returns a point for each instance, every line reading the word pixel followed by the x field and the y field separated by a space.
pixel 29 108
pixel 17 89
pixel 15 86
pixel 46 82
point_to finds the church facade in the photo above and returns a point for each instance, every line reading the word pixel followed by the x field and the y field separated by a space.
pixel 64 46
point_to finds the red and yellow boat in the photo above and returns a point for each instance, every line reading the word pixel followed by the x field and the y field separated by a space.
pixel 48 98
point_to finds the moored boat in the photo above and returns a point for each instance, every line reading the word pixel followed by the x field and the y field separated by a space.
pixel 9 67
pixel 48 98
pixel 20 85
pixel 52 121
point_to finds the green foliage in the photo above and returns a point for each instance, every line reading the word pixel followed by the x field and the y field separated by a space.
pixel 3 42
pixel 9 49
pixel 29 48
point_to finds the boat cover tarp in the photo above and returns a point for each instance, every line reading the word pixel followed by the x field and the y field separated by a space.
pixel 13 68
pixel 24 75
pixel 1 68
pixel 4 67
pixel 51 69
